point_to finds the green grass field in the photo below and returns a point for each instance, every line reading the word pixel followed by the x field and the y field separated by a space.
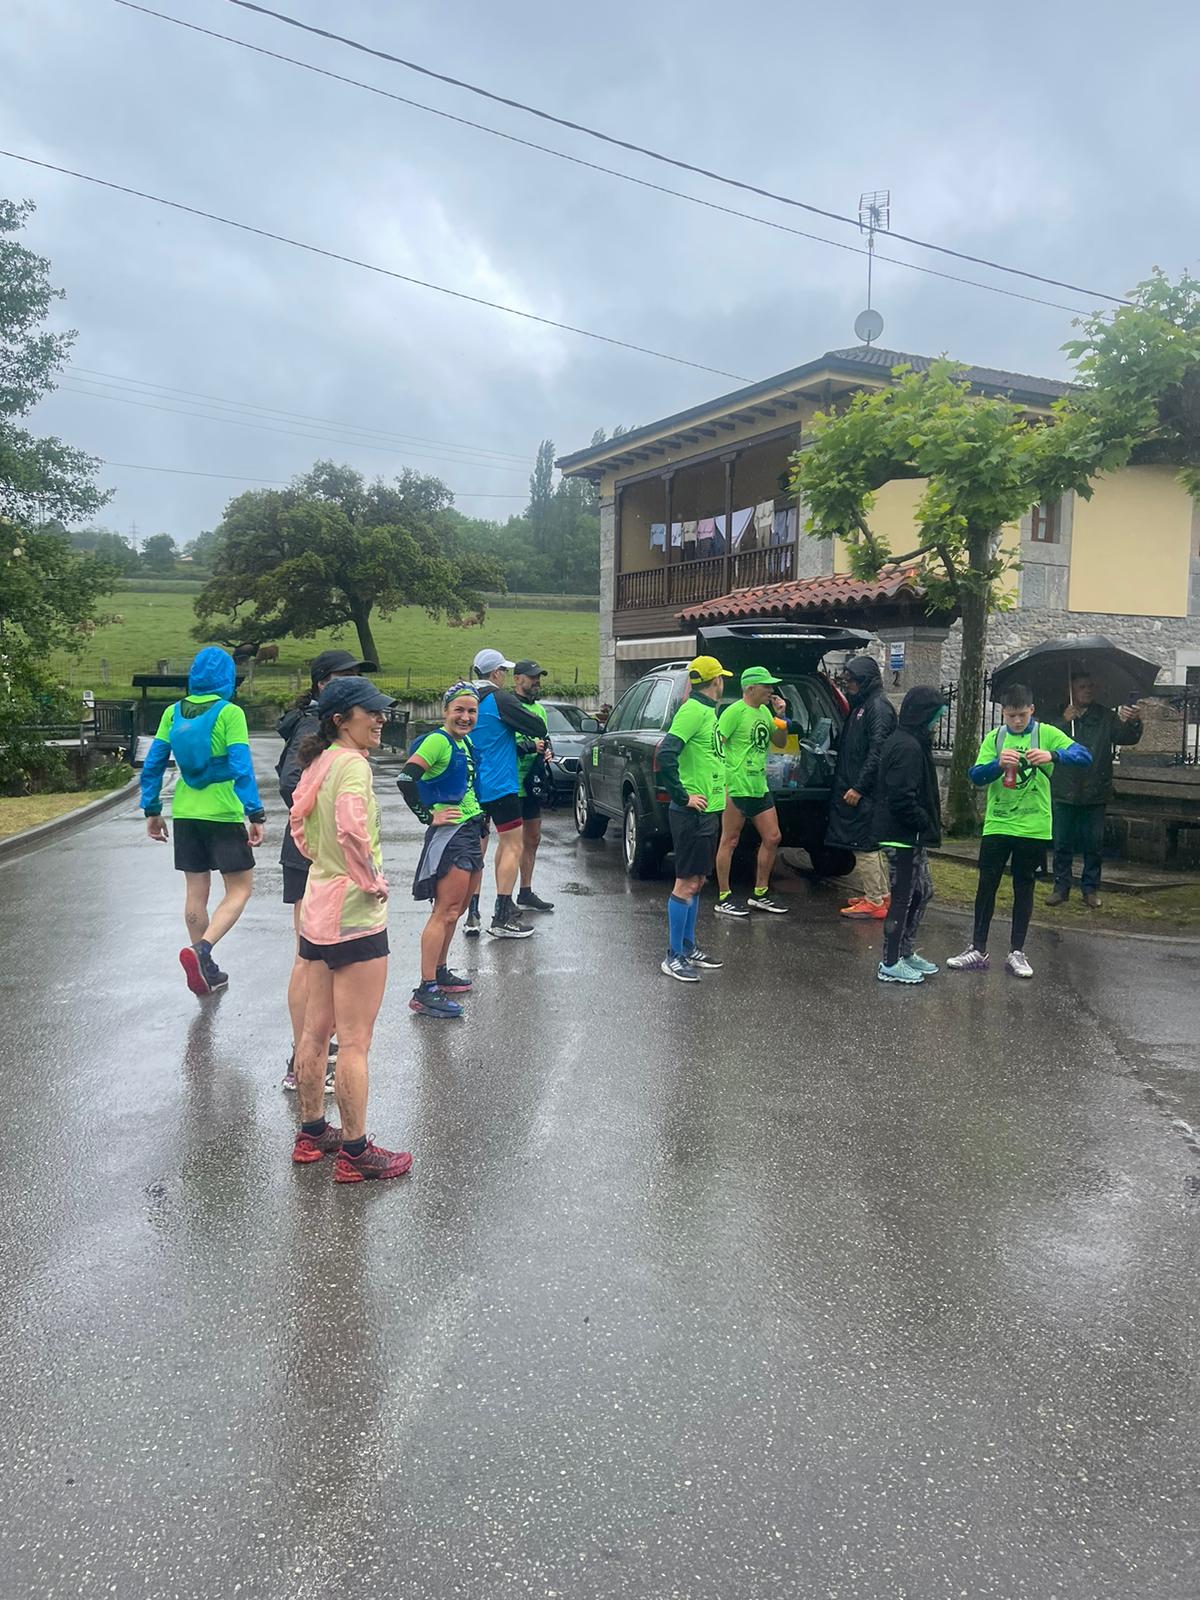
pixel 416 651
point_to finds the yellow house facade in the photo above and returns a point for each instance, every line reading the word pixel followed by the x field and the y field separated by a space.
pixel 695 508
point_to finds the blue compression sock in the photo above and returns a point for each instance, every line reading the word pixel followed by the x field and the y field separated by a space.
pixel 689 926
pixel 677 915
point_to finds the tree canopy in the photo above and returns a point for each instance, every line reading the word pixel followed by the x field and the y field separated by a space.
pixel 332 549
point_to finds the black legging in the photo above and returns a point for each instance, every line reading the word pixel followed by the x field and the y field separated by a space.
pixel 994 851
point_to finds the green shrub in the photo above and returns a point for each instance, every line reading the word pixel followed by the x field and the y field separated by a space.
pixel 31 699
pixel 111 774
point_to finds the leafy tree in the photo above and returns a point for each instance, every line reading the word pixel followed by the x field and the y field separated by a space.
pixel 330 550
pixel 204 547
pixel 1139 368
pixel 159 554
pixel 541 495
pixel 112 548
pixel 984 464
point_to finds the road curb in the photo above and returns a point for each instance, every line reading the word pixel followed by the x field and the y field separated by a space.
pixel 1187 940
pixel 19 844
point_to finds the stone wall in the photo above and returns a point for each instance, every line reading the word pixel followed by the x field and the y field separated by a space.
pixel 1010 631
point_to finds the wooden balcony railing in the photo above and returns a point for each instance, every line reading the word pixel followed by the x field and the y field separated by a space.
pixel 690 583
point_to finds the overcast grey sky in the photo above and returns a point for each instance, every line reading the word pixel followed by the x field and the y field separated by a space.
pixel 1057 137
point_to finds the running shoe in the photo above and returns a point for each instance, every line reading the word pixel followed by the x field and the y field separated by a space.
pixel 312 1146
pixel 866 910
pixel 373 1163
pixel 289 1077
pixel 193 970
pixel 764 902
pixel 215 978
pixel 471 926
pixel 900 972
pixel 532 902
pixel 1017 964
pixel 697 958
pixel 919 964
pixel 730 908
pixel 971 960
pixel 452 982
pixel 510 927
pixel 433 1003
pixel 679 967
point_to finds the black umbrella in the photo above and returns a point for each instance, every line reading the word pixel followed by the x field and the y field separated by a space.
pixel 1118 674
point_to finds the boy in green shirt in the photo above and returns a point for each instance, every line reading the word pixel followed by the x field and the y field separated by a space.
pixel 692 768
pixel 748 729
pixel 1014 765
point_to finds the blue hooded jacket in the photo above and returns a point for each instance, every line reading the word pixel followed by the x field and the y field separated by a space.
pixel 190 738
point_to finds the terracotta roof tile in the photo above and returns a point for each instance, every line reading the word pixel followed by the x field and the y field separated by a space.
pixel 804 595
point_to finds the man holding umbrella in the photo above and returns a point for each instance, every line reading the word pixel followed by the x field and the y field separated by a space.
pixel 1081 794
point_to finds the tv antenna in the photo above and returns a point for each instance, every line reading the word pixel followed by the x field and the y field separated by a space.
pixel 874 211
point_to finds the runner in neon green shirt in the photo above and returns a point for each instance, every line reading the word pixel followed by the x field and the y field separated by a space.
pixel 1014 766
pixel 748 729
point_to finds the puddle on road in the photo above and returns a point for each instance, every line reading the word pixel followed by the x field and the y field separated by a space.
pixel 577 888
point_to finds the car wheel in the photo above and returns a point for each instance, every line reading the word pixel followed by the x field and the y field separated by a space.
pixel 829 861
pixel 589 824
pixel 639 849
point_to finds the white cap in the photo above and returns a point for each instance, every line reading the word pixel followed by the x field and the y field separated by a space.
pixel 488 660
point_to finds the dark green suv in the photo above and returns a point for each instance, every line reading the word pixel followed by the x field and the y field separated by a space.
pixel 619 775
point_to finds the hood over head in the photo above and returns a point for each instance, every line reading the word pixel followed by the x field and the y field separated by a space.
pixel 918 707
pixel 212 672
pixel 865 672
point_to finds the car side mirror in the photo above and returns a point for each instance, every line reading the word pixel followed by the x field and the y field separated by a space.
pixel 588 725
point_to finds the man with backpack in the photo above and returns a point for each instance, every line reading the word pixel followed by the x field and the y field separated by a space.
pixel 1014 766
pixel 215 796
pixel 908 819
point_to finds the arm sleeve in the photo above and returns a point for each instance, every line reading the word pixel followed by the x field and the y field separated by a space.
pixel 353 834
pixel 407 785
pixel 668 768
pixel 880 727
pixel 514 715
pixel 289 767
pixel 237 749
pixel 987 766
pixel 153 768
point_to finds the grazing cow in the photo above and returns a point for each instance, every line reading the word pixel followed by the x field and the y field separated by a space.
pixel 243 653
pixel 267 652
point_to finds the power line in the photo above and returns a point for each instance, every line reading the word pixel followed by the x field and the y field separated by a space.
pixel 265 427
pixel 139 384
pixel 370 266
pixel 236 477
pixel 657 155
pixel 593 166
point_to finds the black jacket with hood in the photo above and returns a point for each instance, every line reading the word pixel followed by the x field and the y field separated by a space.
pixel 293 727
pixel 868 724
pixel 909 807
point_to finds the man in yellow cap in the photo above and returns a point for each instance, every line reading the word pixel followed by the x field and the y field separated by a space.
pixel 691 764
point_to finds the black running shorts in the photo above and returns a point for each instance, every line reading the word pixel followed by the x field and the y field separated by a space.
pixel 753 805
pixel 295 881
pixel 370 947
pixel 504 811
pixel 211 846
pixel 694 835
pixel 531 808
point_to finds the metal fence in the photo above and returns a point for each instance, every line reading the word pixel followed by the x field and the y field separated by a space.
pixel 943 734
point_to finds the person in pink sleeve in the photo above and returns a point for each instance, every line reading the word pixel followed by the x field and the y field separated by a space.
pixel 343 927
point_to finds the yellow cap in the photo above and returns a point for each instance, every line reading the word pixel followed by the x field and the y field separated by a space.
pixel 705 668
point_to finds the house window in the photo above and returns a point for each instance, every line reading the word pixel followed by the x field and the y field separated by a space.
pixel 1043 523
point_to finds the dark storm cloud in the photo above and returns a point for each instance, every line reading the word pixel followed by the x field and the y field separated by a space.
pixel 1052 138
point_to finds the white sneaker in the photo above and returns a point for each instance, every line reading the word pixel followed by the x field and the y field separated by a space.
pixel 971 960
pixel 1017 964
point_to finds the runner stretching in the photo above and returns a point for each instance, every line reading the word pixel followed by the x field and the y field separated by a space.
pixel 343 927
pixel 438 785
pixel 215 796
pixel 748 729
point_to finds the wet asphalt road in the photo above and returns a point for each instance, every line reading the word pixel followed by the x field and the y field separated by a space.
pixel 791 1285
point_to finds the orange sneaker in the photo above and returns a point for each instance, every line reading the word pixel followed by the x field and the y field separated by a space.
pixel 866 910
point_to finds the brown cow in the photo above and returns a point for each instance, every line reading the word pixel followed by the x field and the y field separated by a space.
pixel 267 652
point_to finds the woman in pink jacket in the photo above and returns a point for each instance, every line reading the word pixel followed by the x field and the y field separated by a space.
pixel 343 927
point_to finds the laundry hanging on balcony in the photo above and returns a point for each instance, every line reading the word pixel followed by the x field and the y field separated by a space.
pixel 783 526
pixel 706 538
pixel 676 535
pixel 741 521
pixel 658 536
pixel 764 519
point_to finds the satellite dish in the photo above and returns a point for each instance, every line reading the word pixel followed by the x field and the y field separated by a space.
pixel 868 325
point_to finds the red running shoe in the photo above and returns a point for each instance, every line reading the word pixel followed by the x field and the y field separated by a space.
pixel 312 1146
pixel 373 1163
pixel 866 910
pixel 189 960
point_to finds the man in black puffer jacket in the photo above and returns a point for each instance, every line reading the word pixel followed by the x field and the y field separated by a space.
pixel 855 784
pixel 909 821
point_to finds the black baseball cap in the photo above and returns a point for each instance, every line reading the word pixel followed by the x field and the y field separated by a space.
pixel 529 669
pixel 331 661
pixel 342 694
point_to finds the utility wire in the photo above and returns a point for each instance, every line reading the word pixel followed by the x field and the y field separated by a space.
pixel 592 166
pixel 117 380
pixel 236 477
pixel 370 266
pixel 242 413
pixel 265 427
pixel 657 155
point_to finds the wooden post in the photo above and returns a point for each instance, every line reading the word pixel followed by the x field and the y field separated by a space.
pixel 668 482
pixel 725 576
